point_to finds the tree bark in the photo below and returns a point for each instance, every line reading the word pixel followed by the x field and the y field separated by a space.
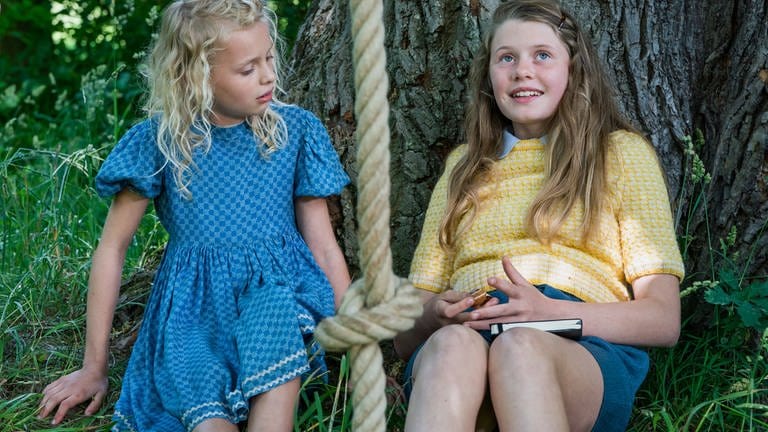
pixel 678 66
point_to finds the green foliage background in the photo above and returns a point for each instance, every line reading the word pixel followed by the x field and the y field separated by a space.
pixel 69 89
pixel 47 48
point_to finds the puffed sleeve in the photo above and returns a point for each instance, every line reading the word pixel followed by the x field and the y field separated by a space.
pixel 432 266
pixel 319 171
pixel 135 163
pixel 647 232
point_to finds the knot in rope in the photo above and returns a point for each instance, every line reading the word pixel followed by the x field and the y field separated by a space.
pixel 355 325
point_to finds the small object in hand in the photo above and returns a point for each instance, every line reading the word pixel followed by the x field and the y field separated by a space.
pixel 480 296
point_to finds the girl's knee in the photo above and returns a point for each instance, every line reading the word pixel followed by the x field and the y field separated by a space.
pixel 456 341
pixel 272 411
pixel 521 347
pixel 284 394
pixel 216 425
pixel 451 351
pixel 454 360
pixel 520 360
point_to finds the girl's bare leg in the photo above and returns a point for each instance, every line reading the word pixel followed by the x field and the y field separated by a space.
pixel 540 381
pixel 449 381
pixel 273 411
pixel 216 425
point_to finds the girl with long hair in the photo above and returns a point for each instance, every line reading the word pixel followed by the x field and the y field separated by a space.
pixel 558 208
pixel 239 181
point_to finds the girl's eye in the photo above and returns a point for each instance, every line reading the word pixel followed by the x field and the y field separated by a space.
pixel 506 58
pixel 246 72
pixel 543 56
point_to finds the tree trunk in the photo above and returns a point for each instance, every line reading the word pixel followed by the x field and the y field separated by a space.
pixel 678 66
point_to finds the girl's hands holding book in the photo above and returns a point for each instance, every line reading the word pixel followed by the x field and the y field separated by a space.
pixel 446 308
pixel 450 307
pixel 526 302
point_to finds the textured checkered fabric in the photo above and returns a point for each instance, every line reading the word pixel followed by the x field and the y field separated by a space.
pixel 237 295
pixel 635 235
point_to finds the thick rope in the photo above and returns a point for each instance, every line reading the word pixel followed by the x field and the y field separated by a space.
pixel 380 305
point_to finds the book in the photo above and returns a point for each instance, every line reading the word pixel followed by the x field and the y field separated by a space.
pixel 569 328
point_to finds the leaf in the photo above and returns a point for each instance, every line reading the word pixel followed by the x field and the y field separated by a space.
pixel 750 315
pixel 729 279
pixel 758 290
pixel 717 296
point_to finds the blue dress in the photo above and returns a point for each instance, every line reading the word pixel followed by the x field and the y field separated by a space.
pixel 237 294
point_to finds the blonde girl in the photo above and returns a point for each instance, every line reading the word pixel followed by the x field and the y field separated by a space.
pixel 239 181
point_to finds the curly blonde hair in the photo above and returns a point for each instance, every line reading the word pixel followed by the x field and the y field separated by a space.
pixel 178 70
pixel 577 134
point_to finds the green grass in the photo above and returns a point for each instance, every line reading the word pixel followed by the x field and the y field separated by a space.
pixel 715 379
pixel 703 384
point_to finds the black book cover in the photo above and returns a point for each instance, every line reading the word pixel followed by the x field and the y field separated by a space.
pixel 569 328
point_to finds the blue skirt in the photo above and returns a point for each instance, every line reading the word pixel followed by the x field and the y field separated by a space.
pixel 623 367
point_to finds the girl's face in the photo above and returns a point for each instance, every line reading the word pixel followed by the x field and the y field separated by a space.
pixel 529 73
pixel 243 75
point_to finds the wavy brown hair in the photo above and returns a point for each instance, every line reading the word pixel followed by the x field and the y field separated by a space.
pixel 577 135
pixel 178 70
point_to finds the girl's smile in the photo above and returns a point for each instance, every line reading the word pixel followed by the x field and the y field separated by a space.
pixel 529 73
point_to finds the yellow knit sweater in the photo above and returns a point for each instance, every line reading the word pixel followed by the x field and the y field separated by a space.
pixel 635 236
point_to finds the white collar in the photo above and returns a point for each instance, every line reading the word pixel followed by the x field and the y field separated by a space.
pixel 509 141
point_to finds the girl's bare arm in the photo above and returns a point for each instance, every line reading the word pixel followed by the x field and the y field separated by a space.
pixel 652 318
pixel 90 382
pixel 314 223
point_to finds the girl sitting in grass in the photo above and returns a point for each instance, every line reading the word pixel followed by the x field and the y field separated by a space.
pixel 240 182
pixel 557 204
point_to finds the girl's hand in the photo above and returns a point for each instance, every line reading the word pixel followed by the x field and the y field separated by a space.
pixel 71 390
pixel 526 302
pixel 439 310
pixel 450 307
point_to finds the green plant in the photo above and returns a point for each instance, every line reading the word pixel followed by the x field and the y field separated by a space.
pixel 728 285
pixel 716 377
pixel 49 46
pixel 290 16
pixel 749 301
pixel 697 385
pixel 323 406
pixel 696 178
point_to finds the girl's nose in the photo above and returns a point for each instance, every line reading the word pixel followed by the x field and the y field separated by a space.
pixel 267 73
pixel 524 69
